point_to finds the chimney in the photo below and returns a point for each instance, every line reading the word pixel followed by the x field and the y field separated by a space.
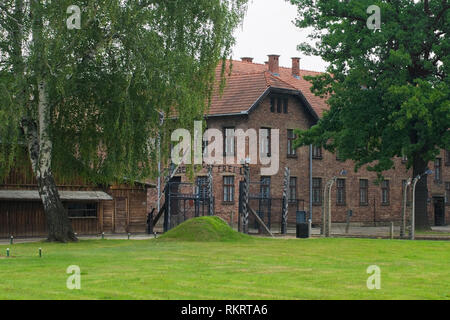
pixel 296 67
pixel 247 59
pixel 274 63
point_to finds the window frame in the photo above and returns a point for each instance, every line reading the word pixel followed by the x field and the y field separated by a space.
pixel 341 190
pixel 317 153
pixel 291 151
pixel 225 143
pixel 268 141
pixel 228 189
pixel 385 193
pixel 365 189
pixel 438 170
pixel 202 188
pixel 317 189
pixel 293 189
pixel 95 204
pixel 447 193
pixel 265 187
pixel 285 105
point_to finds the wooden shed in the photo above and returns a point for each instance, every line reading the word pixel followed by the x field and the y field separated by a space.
pixel 92 209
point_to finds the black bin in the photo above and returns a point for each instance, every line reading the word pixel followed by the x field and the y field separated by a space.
pixel 302 225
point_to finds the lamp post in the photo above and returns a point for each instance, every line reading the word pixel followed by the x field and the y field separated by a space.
pixel 413 212
pixel 405 199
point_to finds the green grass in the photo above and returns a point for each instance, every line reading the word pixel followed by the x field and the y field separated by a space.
pixel 433 233
pixel 246 268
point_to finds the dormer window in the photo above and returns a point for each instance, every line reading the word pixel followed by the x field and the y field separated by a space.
pixel 279 104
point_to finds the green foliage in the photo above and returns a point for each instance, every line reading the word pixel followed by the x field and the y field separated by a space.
pixel 204 229
pixel 109 80
pixel 389 93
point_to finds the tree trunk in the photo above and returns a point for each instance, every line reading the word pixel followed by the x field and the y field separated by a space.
pixel 40 152
pixel 421 203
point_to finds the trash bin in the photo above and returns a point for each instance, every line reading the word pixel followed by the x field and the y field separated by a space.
pixel 302 225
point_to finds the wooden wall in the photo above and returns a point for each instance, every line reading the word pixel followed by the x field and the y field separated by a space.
pixel 127 212
pixel 22 219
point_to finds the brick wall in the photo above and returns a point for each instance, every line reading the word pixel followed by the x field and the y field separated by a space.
pixel 325 168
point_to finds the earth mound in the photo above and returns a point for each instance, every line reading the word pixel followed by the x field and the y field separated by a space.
pixel 204 229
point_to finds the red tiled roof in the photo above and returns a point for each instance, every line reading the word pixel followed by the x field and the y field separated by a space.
pixel 249 81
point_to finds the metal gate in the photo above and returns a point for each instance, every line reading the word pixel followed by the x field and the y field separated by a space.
pixel 268 208
pixel 185 201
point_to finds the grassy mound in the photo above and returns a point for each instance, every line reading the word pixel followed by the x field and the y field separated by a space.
pixel 204 229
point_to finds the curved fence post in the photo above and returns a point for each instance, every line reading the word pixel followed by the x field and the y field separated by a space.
pixel 287 175
pixel 245 196
pixel 210 192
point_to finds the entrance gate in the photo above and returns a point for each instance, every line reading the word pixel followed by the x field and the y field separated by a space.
pixel 183 201
pixel 256 205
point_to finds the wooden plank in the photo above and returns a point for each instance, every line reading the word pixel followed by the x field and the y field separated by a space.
pixel 121 215
pixel 260 221
pixel 160 213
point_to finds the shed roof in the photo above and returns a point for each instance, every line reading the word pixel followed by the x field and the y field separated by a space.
pixel 65 195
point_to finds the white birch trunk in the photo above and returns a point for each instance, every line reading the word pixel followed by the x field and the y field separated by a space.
pixel 40 146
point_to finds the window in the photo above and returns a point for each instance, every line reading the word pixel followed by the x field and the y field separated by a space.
pixel 265 187
pixel 205 144
pixel 228 189
pixel 82 210
pixel 293 189
pixel 291 136
pixel 265 142
pixel 385 192
pixel 340 195
pixel 202 185
pixel 447 158
pixel 447 193
pixel 285 106
pixel 229 145
pixel 438 170
pixel 317 191
pixel 339 157
pixel 279 105
pixel 317 152
pixel 363 192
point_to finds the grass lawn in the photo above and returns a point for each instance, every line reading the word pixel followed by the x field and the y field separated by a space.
pixel 239 269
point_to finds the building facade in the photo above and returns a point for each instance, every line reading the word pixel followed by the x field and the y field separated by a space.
pixel 267 97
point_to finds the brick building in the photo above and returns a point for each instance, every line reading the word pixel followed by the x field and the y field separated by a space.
pixel 266 97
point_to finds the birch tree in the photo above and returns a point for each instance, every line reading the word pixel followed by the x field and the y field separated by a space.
pixel 83 84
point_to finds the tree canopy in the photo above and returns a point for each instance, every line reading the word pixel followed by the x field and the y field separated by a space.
pixel 83 86
pixel 388 89
pixel 108 80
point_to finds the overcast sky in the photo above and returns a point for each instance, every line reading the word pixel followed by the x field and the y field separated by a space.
pixel 268 29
